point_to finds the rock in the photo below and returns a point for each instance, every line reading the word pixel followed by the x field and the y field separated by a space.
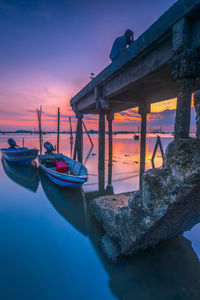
pixel 168 204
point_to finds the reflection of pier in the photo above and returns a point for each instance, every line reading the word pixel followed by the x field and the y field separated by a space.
pixel 162 64
pixel 168 271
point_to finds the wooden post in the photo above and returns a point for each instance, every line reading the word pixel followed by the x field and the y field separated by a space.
pixel 110 117
pixel 158 143
pixel 143 111
pixel 79 136
pixel 39 115
pixel 58 130
pixel 75 148
pixel 101 163
pixel 71 137
pixel 92 145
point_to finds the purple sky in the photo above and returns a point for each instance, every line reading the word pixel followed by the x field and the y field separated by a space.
pixel 49 48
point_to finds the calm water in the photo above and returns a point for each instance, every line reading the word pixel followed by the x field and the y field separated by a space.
pixel 49 242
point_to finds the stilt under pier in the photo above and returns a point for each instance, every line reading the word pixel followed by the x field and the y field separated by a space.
pixel 79 137
pixel 143 111
pixel 110 118
pixel 101 163
pixel 183 110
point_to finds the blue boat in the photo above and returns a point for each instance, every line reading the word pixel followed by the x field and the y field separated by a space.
pixel 17 154
pixel 72 175
pixel 74 178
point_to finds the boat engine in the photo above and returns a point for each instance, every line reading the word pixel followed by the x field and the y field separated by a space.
pixel 12 143
pixel 49 148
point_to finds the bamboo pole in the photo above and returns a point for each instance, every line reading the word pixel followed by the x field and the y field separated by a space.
pixel 71 136
pixel 39 115
pixel 58 130
pixel 88 134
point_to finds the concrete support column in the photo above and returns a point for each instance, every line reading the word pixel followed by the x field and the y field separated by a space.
pixel 183 109
pixel 101 162
pixel 185 68
pixel 143 111
pixel 79 136
pixel 110 118
pixel 197 110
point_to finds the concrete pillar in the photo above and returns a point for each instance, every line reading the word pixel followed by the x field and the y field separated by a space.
pixel 110 118
pixel 101 162
pixel 185 68
pixel 79 138
pixel 197 109
pixel 143 111
pixel 183 109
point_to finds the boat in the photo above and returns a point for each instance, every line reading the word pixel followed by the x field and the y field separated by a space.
pixel 73 176
pixel 136 137
pixel 27 177
pixel 18 154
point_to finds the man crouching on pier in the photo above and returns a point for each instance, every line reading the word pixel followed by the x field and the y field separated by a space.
pixel 121 43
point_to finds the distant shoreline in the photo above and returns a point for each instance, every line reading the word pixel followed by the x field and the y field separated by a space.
pixel 74 132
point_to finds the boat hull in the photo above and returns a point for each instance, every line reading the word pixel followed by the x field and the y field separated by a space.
pixel 21 155
pixel 63 180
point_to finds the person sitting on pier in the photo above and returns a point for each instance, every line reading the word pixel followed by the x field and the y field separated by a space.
pixel 121 43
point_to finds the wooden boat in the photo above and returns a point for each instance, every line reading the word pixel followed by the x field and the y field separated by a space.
pixel 136 137
pixel 17 154
pixel 74 178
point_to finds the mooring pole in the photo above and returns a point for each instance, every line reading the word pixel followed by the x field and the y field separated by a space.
pixel 110 118
pixel 79 136
pixel 101 163
pixel 39 115
pixel 143 111
pixel 58 130
pixel 71 137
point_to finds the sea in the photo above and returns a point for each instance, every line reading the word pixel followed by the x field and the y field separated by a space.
pixel 49 241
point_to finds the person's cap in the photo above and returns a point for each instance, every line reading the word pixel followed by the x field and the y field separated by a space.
pixel 128 32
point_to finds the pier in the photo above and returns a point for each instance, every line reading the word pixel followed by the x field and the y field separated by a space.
pixel 163 63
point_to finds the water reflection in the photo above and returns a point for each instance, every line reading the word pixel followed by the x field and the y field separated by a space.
pixel 68 203
pixel 26 176
pixel 171 270
pixel 52 258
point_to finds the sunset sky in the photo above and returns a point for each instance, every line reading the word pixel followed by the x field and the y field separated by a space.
pixel 49 48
